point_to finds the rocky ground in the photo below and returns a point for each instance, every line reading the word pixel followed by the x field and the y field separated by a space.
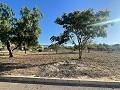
pixel 95 65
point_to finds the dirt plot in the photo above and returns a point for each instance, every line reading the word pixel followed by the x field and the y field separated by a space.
pixel 95 65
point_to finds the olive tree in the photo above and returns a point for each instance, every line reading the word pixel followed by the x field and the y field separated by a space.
pixel 59 40
pixel 27 28
pixel 6 23
pixel 82 24
pixel 22 32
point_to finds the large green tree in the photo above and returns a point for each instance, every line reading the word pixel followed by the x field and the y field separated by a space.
pixel 27 28
pixel 6 23
pixel 82 24
pixel 22 32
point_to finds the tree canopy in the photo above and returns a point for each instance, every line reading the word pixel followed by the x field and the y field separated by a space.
pixel 82 24
pixel 6 23
pixel 27 28
pixel 24 31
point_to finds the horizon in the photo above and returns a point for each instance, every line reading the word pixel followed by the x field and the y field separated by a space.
pixel 53 9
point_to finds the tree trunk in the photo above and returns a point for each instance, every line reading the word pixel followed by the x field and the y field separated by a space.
pixel 56 51
pixel 24 46
pixel 88 49
pixel 56 48
pixel 8 48
pixel 25 49
pixel 18 46
pixel 80 51
pixel 15 48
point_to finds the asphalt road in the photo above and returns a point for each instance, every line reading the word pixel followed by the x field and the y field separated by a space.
pixel 24 86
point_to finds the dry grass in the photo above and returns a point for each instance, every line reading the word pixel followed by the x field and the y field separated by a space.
pixel 93 65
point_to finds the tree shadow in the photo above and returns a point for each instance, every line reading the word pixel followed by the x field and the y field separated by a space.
pixel 11 66
pixel 55 53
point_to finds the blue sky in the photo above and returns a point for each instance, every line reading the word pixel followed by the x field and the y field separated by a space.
pixel 55 8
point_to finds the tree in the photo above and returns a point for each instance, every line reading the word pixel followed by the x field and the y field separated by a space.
pixel 6 23
pixel 59 40
pixel 116 47
pixel 0 46
pixel 90 45
pixel 27 28
pixel 54 46
pixel 82 24
pixel 23 32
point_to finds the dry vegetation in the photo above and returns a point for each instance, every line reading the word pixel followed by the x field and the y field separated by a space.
pixel 96 65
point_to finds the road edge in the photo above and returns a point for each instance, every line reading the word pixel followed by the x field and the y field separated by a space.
pixel 59 81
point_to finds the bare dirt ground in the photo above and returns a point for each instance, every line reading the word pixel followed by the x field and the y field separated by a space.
pixel 95 65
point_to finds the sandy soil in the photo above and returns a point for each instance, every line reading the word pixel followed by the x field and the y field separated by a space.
pixel 94 65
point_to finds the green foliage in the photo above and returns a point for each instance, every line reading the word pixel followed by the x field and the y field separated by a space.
pixel 116 47
pixel 27 28
pixel 62 38
pixel 82 25
pixel 24 31
pixel 39 49
pixel 6 22
pixel 105 47
pixel 55 47
pixel 102 47
pixel 72 48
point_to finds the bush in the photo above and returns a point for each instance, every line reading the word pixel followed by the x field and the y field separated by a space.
pixel 39 49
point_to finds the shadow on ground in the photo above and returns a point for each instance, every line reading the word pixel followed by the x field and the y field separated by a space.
pixel 55 53
pixel 11 66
